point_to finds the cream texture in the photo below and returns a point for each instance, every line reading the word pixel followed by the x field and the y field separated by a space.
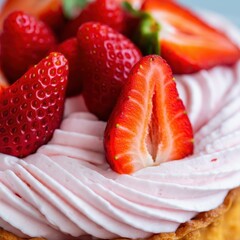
pixel 67 189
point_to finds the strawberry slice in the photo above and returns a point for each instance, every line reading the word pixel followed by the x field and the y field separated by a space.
pixel 186 42
pixel 149 124
pixel 32 108
pixel 24 42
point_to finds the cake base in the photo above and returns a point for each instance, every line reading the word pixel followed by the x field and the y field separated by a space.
pixel 222 223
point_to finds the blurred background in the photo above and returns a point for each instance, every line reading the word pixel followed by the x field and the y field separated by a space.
pixel 229 8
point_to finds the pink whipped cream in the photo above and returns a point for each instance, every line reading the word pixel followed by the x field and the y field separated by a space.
pixel 67 189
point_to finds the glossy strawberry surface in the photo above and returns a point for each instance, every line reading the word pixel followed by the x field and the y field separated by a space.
pixel 32 108
pixel 108 12
pixel 149 124
pixel 24 42
pixel 49 11
pixel 106 60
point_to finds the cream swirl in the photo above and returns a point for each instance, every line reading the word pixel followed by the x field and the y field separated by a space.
pixel 67 189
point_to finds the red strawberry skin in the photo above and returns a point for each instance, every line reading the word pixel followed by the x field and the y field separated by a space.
pixel 149 124
pixel 106 60
pixel 49 11
pixel 32 108
pixel 186 41
pixel 107 12
pixel 53 16
pixel 69 49
pixel 2 87
pixel 24 42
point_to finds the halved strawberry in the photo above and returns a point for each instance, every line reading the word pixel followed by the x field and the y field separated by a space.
pixel 186 42
pixel 49 11
pixel 32 108
pixel 24 42
pixel 149 124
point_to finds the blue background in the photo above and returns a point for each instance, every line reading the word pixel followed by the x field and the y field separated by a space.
pixel 229 8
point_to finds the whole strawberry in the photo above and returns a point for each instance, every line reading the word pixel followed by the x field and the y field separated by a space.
pixel 108 12
pixel 70 50
pixel 49 11
pixel 24 42
pixel 32 108
pixel 106 60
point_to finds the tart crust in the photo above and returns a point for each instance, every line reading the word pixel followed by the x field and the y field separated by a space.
pixel 222 223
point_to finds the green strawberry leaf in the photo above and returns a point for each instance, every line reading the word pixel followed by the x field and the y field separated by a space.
pixel 149 31
pixel 129 8
pixel 147 34
pixel 71 8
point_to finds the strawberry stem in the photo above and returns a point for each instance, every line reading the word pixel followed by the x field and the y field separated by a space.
pixel 147 36
pixel 129 8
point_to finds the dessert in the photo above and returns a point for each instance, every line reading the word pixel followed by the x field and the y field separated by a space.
pixel 149 124
pixel 67 189
pixel 100 46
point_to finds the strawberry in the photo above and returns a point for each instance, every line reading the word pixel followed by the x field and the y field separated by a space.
pixel 186 42
pixel 69 49
pixel 3 80
pixel 108 12
pixel 32 108
pixel 2 87
pixel 49 11
pixel 24 42
pixel 149 124
pixel 106 60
